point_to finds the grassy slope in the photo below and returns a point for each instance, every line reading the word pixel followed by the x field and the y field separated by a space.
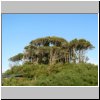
pixel 55 75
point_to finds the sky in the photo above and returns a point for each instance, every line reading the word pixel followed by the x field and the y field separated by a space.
pixel 19 29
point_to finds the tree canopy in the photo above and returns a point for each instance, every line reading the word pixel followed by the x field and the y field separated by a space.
pixel 51 50
pixel 17 57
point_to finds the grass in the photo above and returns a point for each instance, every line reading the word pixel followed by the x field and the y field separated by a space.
pixel 55 75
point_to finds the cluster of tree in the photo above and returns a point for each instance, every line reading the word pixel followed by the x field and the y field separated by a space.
pixel 51 50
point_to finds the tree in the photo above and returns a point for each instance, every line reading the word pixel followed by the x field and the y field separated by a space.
pixel 51 50
pixel 82 47
pixel 73 49
pixel 16 58
pixel 52 45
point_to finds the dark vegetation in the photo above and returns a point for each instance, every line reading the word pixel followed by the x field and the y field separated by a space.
pixel 53 61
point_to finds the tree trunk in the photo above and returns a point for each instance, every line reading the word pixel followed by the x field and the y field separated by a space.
pixel 79 56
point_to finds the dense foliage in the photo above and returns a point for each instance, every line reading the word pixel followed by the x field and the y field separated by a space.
pixel 52 50
pixel 55 75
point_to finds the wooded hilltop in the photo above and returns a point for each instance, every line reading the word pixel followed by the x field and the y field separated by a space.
pixel 52 61
pixel 52 50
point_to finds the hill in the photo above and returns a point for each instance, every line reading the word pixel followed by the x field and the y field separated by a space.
pixel 68 74
pixel 52 61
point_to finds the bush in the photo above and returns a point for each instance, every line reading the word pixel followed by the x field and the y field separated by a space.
pixel 55 75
